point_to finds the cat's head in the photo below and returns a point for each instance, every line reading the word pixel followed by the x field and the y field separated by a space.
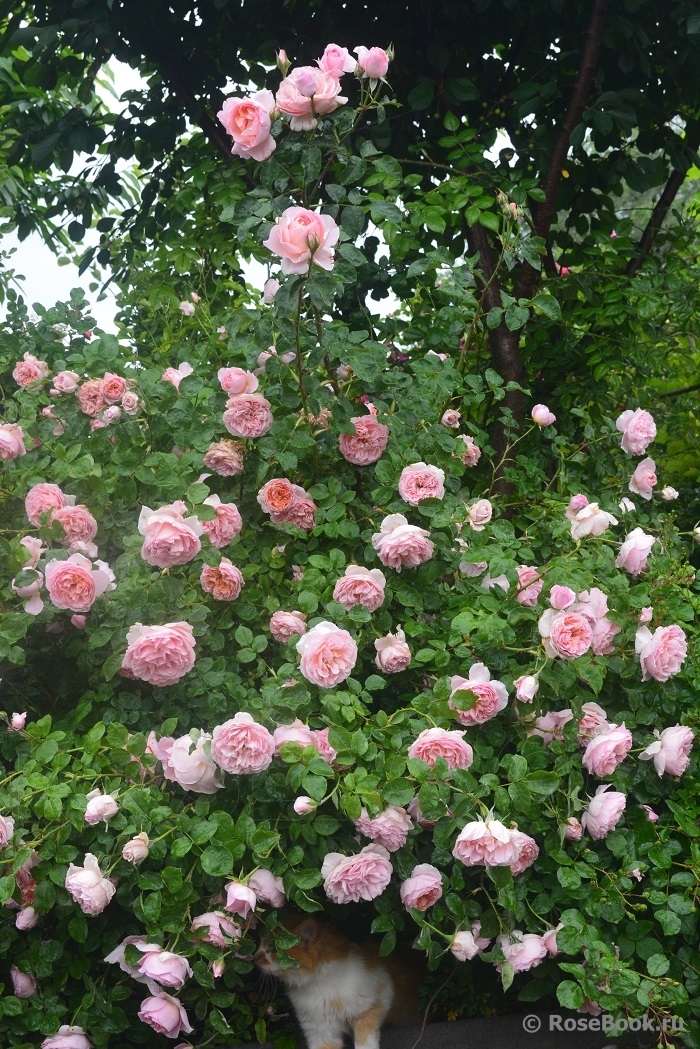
pixel 317 943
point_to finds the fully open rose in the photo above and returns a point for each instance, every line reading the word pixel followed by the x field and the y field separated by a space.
pixel 160 655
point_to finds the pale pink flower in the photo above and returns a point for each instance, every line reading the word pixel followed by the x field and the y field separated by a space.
pixel 166 968
pixel 550 726
pixel 491 696
pixel 528 851
pixel 522 950
pixel 422 888
pixel 240 899
pixel 626 506
pixel 187 310
pixel 590 520
pixel 634 551
pixel 651 815
pixel 130 403
pixel 393 654
pixel 336 60
pixel 225 526
pixel 670 750
pixel 486 843
pixel 328 655
pixel 76 582
pixel 593 604
pixel 604 630
pixel 367 443
pixel 241 746
pixel 480 513
pixel 236 380
pixel 542 415
pixel 270 289
pixel 176 375
pixel 401 545
pixel 421 481
pixel 472 569
pixel 301 237
pixel 64 382
pixel 248 415
pixel 561 597
pixel 220 928
pixel 297 732
pixel 169 538
pixel 323 746
pixel 7 829
pixel 360 586
pixel 371 62
pixel 88 886
pixel 472 452
pixel 78 621
pixel 285 625
pixel 304 805
pixel 594 720
pixel 29 370
pixel 565 634
pixel 305 94
pixel 100 807
pixel 643 479
pixel 192 767
pixel 467 943
pixel 576 503
pixel 160 655
pixel 111 414
pixel 29 593
pixel 669 494
pixel 224 582
pixel 35 548
pixel 165 1015
pixel 607 749
pixel 638 430
pixel 26 918
pixel 77 523
pixel 489 582
pixel 661 654
pixel 17 722
pixel 11 441
pixel 603 812
pixel 301 512
pixel 526 688
pixel 224 457
pixel 23 985
pixel 91 398
pixel 451 418
pixel 451 746
pixel 136 849
pixel 248 122
pixel 276 495
pixel 529 586
pixel 390 828
pixel 573 829
pixel 41 499
pixel 113 387
pixel 267 887
pixel 67 1038
pixel 349 879
pixel 646 614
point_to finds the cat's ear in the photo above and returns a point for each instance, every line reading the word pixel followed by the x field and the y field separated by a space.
pixel 308 930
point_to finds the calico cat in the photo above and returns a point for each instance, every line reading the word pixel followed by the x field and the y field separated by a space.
pixel 342 987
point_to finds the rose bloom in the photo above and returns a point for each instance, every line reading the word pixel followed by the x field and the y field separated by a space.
pixel 565 634
pixel 671 750
pixel 349 879
pixel 136 849
pixel 91 398
pixel 240 899
pixel 336 60
pixel 593 721
pixel 187 310
pixel 192 767
pixel 423 888
pixel 573 829
pixel 576 503
pixel 323 746
pixel 236 380
pixel 491 696
pixel 7 829
pixel 626 506
pixel 402 545
pixel 23 985
pixel 88 887
pixel 421 481
pixel 218 926
pixel 643 479
pixel 176 375
pixel 669 494
pixel 241 746
pixel 451 418
pixel 100 807
pixel 304 805
pixel 393 654
pixel 270 289
pixel 33 604
pixel 527 854
pixel 248 415
pixel 367 443
pixel 225 526
pixel 529 586
pixel 267 887
pixel 225 458
pixel 165 1015
pixel 166 968
pixel 297 732
pixel 480 513
pixel 276 495
pixel 328 655
pixel 17 722
pixel 390 828
pixel 603 812
pixel 645 616
pixel 472 453
pixel 467 943
pixel 64 382
pixel 526 688
pixel 360 586
pixel 522 950
pixel 304 95
pixel 549 726
pixel 372 62
pixel 634 552
pixel 661 653
pixel 561 597
pixel 601 639
pixel 11 441
pixel 451 746
pixel 301 512
pixel 130 403
pixel 42 498
pixel 486 843
pixel 160 655
pixel 77 523
pixel 590 520
pixel 76 583
pixel 606 750
pixel 113 387
pixel 26 919
pixel 67 1038
pixel 248 122
pixel 285 625
pixel 651 815
pixel 29 370
pixel 301 237
pixel 638 430
pixel 224 582
pixel 169 538
pixel 542 415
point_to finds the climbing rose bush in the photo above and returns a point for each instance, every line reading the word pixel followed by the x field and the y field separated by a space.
pixel 280 628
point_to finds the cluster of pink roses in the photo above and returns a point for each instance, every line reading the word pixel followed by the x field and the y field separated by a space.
pixel 287 503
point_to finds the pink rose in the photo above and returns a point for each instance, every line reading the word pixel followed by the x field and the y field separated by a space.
pixel 626 506
pixel 42 498
pixel 371 62
pixel 434 743
pixel 88 886
pixel 491 696
pixel 360 586
pixel 328 655
pixel 267 887
pixel 473 569
pixel 225 526
pixel 23 985
pixel 301 237
pixel 26 919
pixel 528 851
pixel 240 899
pixel 270 289
pixel 100 807
pixel 603 812
pixel 390 828
pixel 336 60
pixel 421 481
pixel 236 380
pixel 284 625
pixel 393 654
pixel 651 815
pixel 646 615
pixel 638 430
pixel 113 387
pixel 225 458
pixel 644 478
pixel 176 375
pixel 30 592
pixel 35 548
pixel 593 721
pixel 29 370
pixel 169 538
pixel 602 637
pixel 529 586
pixel 549 726
pixel 303 805
pixel 224 582
pixel 669 494
pixel 526 688
pixel 367 443
pixel 576 503
pixel 522 950
pixel 349 879
pixel 304 95
pixel 136 849
pixel 7 829
pixel 75 583
pixel 400 544
pixel 423 888
pixel 276 495
pixel 165 1015
pixel 573 829
pixel 661 653
pixel 670 750
pixel 187 310
pixel 297 732
pixel 467 944
pixel 606 750
pixel 542 416
pixel 11 441
pixel 191 765
pixel 472 453
pixel 160 655
pixel 565 634
pixel 64 382
pixel 91 398
pixel 17 722
pixel 241 746
pixel 561 597
pixel 248 122
pixel 634 552
pixel 322 745
pixel 590 520
pixel 219 926
pixel 77 523
pixel 248 415
pixel 166 968
pixel 451 418
pixel 130 403
pixel 67 1038
pixel 301 512
pixel 486 843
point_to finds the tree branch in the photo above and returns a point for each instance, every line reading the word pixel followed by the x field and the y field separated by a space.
pixel 656 221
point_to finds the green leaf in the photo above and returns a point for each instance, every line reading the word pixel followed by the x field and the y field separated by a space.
pixel 383 210
pixel 216 861
pixel 658 964
pixel 570 995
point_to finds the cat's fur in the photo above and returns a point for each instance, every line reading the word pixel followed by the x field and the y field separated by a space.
pixel 342 987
